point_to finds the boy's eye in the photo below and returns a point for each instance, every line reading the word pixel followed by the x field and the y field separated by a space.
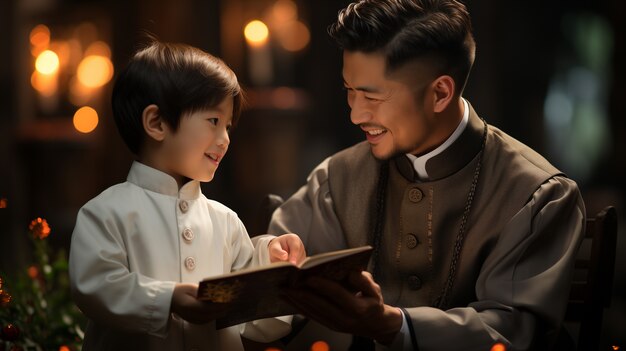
pixel 213 121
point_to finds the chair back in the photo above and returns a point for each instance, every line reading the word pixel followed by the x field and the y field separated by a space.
pixel 591 288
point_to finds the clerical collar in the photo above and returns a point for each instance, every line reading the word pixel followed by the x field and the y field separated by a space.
pixel 419 163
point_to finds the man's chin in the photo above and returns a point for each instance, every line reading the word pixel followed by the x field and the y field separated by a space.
pixel 383 155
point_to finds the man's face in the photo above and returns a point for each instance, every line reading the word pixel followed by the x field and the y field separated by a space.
pixel 394 110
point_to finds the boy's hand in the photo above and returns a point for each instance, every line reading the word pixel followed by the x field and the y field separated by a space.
pixel 287 247
pixel 188 307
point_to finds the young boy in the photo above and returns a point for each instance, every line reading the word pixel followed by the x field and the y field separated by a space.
pixel 140 248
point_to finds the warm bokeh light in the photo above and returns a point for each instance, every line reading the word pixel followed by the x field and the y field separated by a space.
pixel 95 71
pixel 498 347
pixel 98 48
pixel 272 349
pixel 284 11
pixel 85 119
pixel 3 204
pixel 64 348
pixel 80 95
pixel 320 346
pixel 615 347
pixel 47 62
pixel 284 98
pixel 45 84
pixel 33 272
pixel 39 38
pixel 62 49
pixel 256 32
pixel 294 36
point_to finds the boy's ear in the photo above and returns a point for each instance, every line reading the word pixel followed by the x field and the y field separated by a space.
pixel 443 88
pixel 153 124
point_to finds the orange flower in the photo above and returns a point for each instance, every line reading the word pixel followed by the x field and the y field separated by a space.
pixel 33 272
pixel 5 298
pixel 39 228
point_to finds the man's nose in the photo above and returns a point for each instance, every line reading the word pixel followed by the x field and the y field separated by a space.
pixel 360 113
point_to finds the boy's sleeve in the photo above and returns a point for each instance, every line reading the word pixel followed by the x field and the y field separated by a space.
pixel 246 255
pixel 102 285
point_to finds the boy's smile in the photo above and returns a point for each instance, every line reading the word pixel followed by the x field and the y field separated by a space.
pixel 196 148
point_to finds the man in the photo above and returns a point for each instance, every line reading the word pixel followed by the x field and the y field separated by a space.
pixel 474 233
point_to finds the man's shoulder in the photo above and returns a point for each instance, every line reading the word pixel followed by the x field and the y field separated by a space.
pixel 519 155
pixel 353 156
pixel 352 168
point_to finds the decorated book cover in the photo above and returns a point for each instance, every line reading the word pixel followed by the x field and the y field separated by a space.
pixel 255 293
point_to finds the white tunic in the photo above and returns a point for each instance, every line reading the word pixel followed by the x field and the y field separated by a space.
pixel 133 243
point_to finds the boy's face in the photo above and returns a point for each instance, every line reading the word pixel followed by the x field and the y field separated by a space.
pixel 195 150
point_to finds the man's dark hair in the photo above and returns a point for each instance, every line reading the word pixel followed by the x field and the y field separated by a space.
pixel 179 79
pixel 439 31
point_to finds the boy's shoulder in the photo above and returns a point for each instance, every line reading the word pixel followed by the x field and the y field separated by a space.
pixel 219 207
pixel 113 196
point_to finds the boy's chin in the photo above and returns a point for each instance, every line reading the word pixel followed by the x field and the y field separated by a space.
pixel 205 178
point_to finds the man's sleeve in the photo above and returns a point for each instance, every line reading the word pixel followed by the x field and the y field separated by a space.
pixel 310 214
pixel 524 283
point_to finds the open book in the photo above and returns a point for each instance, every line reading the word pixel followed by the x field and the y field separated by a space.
pixel 255 293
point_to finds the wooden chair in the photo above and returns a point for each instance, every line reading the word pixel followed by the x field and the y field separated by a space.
pixel 592 285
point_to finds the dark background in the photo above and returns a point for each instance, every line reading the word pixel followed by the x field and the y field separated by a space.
pixel 550 73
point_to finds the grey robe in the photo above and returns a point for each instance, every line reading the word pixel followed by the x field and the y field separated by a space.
pixel 525 226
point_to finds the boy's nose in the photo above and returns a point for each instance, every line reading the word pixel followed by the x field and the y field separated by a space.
pixel 224 140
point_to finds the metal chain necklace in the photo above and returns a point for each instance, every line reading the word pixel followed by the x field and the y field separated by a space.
pixel 376 236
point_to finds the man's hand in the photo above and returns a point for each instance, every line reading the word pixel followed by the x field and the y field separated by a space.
pixel 188 307
pixel 362 313
pixel 287 247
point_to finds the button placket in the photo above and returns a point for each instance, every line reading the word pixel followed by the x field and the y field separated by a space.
pixel 414 282
pixel 411 241
pixel 188 234
pixel 190 263
pixel 183 205
pixel 415 195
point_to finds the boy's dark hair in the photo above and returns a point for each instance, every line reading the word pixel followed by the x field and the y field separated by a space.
pixel 439 31
pixel 179 79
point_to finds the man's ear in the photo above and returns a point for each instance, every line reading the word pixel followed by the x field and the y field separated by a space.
pixel 443 88
pixel 153 124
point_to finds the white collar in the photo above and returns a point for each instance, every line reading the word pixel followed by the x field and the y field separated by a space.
pixel 419 163
pixel 160 182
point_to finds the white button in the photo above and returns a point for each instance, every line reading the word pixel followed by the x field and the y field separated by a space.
pixel 190 263
pixel 183 205
pixel 188 234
